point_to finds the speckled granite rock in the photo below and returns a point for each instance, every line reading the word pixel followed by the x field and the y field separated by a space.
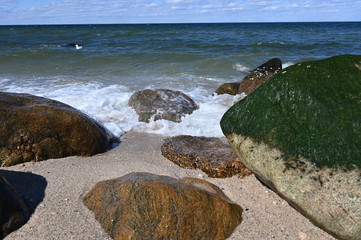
pixel 161 104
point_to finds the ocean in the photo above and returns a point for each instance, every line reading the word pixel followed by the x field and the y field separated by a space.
pixel 117 60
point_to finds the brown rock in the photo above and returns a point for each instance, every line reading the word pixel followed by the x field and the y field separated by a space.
pixel 35 128
pixel 147 206
pixel 13 211
pixel 260 75
pixel 252 81
pixel 228 88
pixel 161 104
pixel 210 155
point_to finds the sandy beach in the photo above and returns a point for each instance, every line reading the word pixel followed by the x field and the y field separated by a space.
pixel 54 190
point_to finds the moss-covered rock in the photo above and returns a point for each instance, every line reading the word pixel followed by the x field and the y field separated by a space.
pixel 300 134
pixel 311 109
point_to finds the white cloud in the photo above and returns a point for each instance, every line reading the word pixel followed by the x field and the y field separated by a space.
pixel 125 11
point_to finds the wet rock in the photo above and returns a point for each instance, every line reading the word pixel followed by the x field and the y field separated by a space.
pixel 13 211
pixel 161 104
pixel 229 88
pixel 209 154
pixel 300 135
pixel 254 80
pixel 147 206
pixel 35 128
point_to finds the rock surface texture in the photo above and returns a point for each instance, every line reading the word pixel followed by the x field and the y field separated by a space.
pixel 252 81
pixel 35 128
pixel 13 211
pixel 300 134
pixel 209 154
pixel 147 206
pixel 161 104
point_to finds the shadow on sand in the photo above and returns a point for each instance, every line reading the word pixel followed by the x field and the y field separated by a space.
pixel 28 185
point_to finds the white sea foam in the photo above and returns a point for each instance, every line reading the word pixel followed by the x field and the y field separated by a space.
pixel 241 68
pixel 287 64
pixel 202 122
pixel 109 105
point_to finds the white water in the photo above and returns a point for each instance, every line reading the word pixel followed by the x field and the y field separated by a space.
pixel 108 104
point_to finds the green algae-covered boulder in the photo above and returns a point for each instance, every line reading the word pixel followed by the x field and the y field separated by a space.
pixel 300 133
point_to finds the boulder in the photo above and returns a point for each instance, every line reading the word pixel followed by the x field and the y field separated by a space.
pixel 147 206
pixel 35 128
pixel 161 104
pixel 300 135
pixel 13 211
pixel 252 81
pixel 209 154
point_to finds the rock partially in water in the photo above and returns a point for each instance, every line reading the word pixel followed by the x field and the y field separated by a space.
pixel 300 134
pixel 13 211
pixel 209 154
pixel 254 80
pixel 161 104
pixel 35 128
pixel 143 206
pixel 229 88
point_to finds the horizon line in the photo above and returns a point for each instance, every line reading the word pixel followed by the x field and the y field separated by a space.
pixel 160 23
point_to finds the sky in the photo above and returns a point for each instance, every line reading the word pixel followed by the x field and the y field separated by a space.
pixel 175 11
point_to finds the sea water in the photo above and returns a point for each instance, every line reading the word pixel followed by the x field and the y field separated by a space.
pixel 117 60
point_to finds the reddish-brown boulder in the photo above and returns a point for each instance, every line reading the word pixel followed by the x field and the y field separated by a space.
pixel 35 128
pixel 147 206
pixel 209 154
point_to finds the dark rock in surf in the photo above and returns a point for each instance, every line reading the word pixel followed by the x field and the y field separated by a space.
pixel 13 211
pixel 35 128
pixel 252 81
pixel 147 206
pixel 161 104
pixel 209 154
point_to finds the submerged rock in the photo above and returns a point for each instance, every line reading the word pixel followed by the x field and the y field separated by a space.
pixel 161 104
pixel 209 154
pixel 147 206
pixel 252 81
pixel 300 134
pixel 35 128
pixel 13 211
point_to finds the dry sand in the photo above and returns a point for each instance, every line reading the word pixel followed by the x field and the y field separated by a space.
pixel 55 189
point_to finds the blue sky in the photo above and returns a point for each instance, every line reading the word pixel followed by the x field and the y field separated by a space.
pixel 175 11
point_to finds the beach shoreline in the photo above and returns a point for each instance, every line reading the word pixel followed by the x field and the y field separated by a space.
pixel 56 197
